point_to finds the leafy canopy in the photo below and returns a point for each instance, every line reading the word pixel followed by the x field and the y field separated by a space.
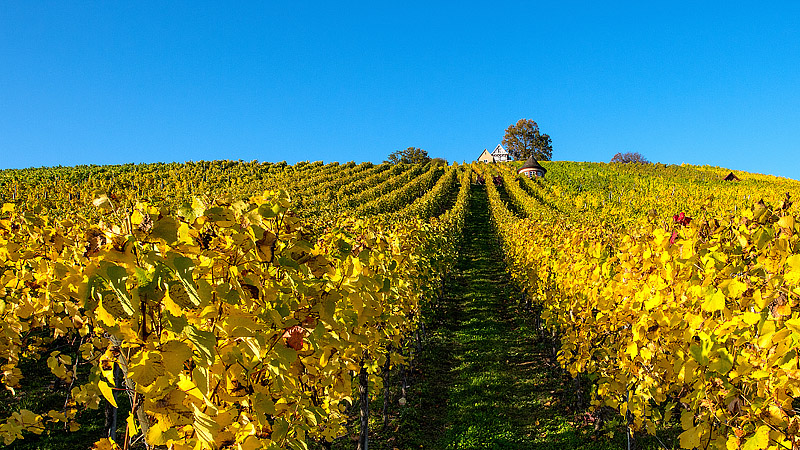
pixel 629 157
pixel 411 155
pixel 523 139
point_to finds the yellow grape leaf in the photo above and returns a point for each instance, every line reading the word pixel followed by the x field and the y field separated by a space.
pixel 174 354
pixel 105 444
pixel 714 301
pixel 653 301
pixel 55 365
pixel 743 243
pixel 186 385
pixel 783 310
pixel 24 310
pixel 285 355
pixel 761 236
pixel 632 349
pixel 690 438
pixel 183 270
pixel 793 274
pixel 732 443
pixel 250 443
pixel 751 318
pixel 170 305
pixel 104 316
pixel 200 377
pixel 736 288
pixel 723 363
pixel 223 217
pixel 117 277
pixel 265 247
pixel 198 206
pixel 263 404
pixel 137 217
pixel 102 202
pixel 240 323
pixel 132 428
pixel 687 251
pixel 204 425
pixel 107 392
pixel 266 212
pixel 204 342
pixel 760 301
pixel 166 229
pixel 57 415
pixel 793 324
pixel 156 435
pixel 279 429
pixel 182 296
pixel 786 222
pixel 184 234
pixel 145 367
pixel 323 359
pixel 758 441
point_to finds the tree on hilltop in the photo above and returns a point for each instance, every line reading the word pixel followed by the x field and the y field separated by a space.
pixel 523 139
pixel 411 155
pixel 629 157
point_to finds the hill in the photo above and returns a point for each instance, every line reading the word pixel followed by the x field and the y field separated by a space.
pixel 279 298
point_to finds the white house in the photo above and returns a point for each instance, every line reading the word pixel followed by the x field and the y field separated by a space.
pixel 499 154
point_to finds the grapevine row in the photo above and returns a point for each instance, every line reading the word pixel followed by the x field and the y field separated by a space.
pixel 234 327
pixel 696 319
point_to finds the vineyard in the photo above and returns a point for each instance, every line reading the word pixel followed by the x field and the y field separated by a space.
pixel 246 305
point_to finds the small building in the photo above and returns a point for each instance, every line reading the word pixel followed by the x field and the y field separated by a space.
pixel 486 157
pixel 499 154
pixel 531 168
pixel 731 177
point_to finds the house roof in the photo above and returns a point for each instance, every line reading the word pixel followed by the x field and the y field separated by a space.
pixel 485 152
pixel 731 177
pixel 531 163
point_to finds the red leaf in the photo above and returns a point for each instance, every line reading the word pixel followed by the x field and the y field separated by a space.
pixel 681 219
pixel 294 337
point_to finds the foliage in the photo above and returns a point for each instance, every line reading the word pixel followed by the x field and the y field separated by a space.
pixel 402 195
pixel 523 139
pixel 690 315
pixel 405 173
pixel 260 323
pixel 628 157
pixel 432 203
pixel 411 155
pixel 676 292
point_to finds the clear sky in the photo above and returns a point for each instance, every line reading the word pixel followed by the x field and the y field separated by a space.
pixel 114 82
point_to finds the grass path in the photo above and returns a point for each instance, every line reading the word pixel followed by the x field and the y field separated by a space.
pixel 486 381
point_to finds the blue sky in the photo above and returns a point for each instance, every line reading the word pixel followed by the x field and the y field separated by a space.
pixel 114 82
